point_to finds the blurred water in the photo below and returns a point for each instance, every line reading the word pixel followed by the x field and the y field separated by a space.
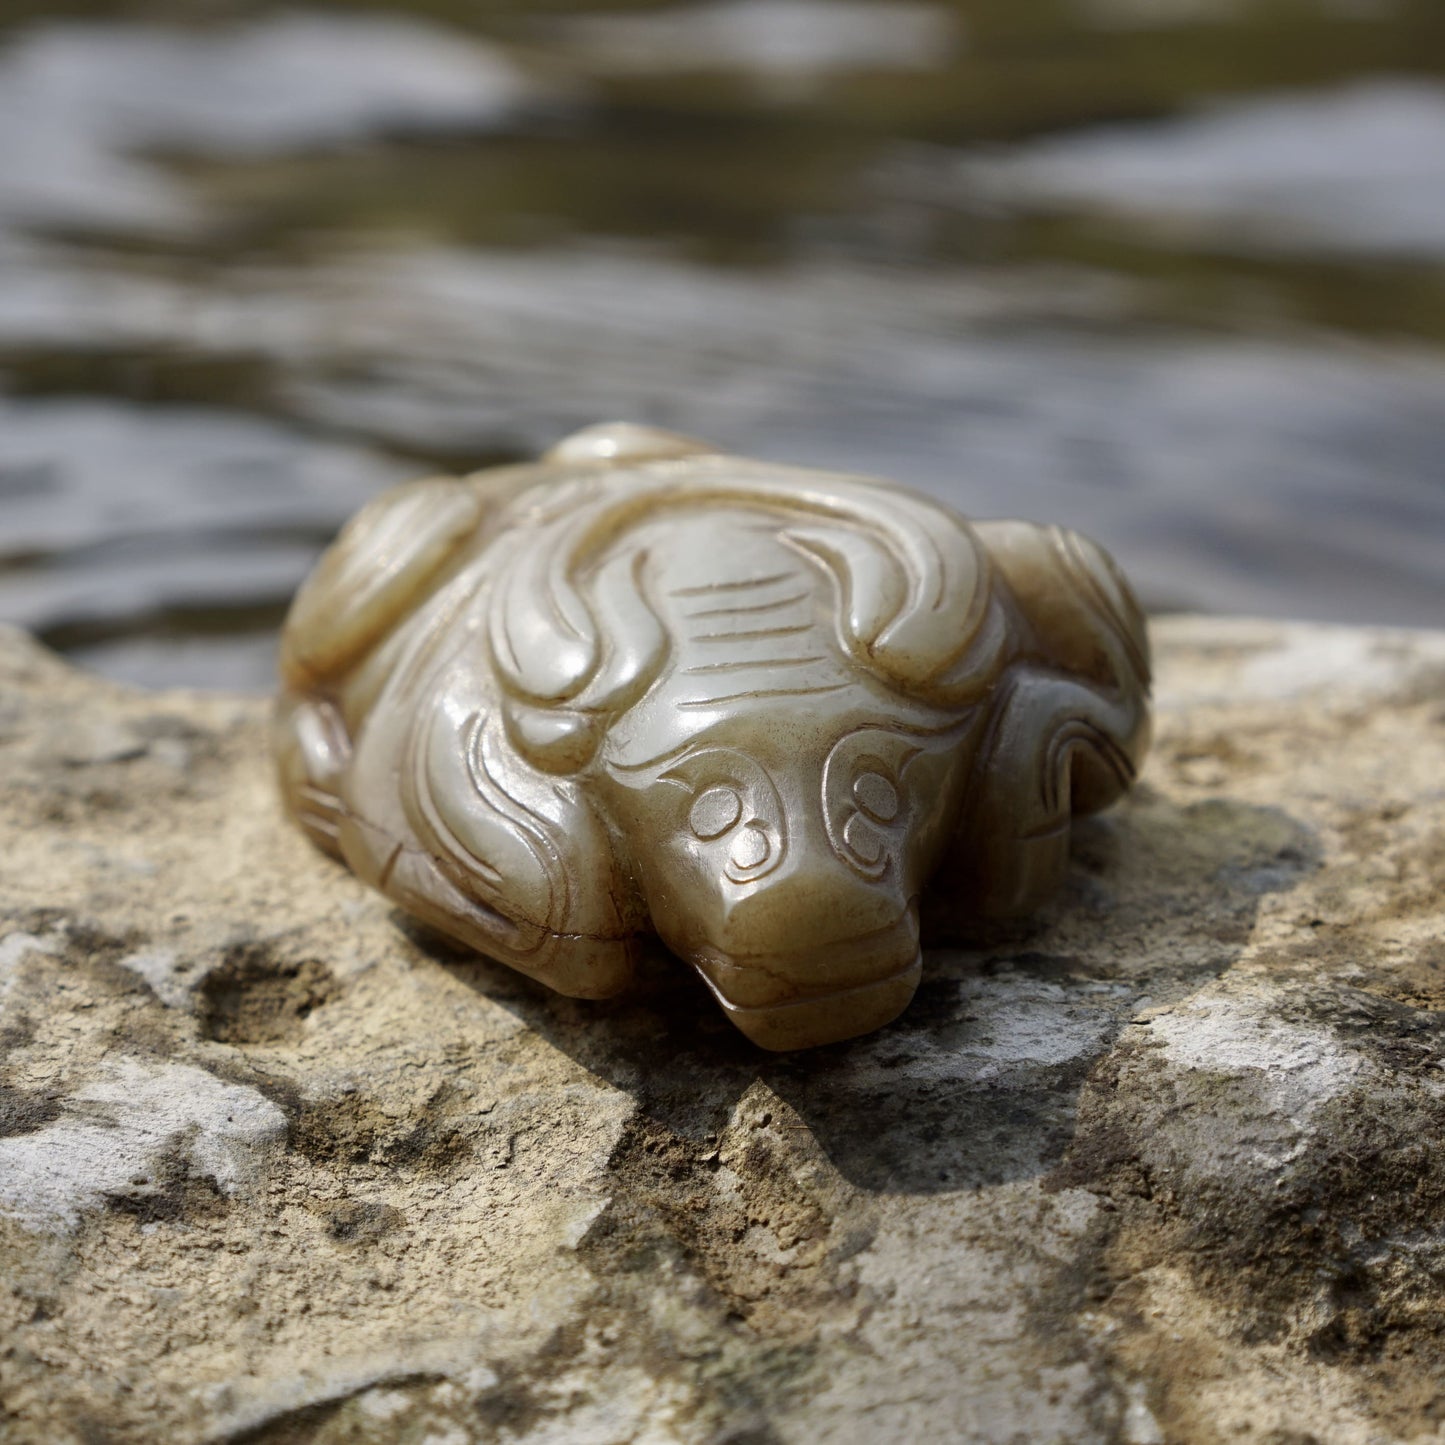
pixel 1169 270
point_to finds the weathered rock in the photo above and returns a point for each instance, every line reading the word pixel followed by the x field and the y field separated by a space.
pixel 1163 1165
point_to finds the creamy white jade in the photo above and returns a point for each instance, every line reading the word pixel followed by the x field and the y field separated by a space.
pixel 643 688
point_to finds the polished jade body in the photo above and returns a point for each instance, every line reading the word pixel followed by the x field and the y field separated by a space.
pixel 644 688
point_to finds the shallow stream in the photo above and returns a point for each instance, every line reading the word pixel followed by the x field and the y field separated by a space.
pixel 1169 270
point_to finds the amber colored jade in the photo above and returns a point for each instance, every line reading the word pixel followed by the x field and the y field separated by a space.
pixel 641 687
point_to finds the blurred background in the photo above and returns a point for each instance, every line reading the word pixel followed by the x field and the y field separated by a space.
pixel 1172 271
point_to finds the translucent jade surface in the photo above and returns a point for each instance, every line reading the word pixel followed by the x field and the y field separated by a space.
pixel 643 688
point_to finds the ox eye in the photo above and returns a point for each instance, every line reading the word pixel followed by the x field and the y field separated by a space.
pixel 714 811
pixel 751 850
pixel 863 840
pixel 876 796
pixel 730 804
pixel 865 798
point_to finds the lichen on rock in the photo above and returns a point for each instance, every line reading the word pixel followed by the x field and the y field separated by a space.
pixel 1159 1165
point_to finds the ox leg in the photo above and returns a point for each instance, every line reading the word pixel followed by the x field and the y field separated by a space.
pixel 1057 747
pixel 312 748
pixel 387 855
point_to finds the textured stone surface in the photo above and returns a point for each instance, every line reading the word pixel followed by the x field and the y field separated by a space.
pixel 1164 1165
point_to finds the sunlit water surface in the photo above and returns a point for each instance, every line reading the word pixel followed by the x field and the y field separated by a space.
pixel 1170 272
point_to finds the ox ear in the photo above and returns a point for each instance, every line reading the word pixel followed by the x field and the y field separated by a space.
pixel 543 884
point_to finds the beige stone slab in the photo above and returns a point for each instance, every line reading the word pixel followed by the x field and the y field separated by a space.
pixel 1161 1165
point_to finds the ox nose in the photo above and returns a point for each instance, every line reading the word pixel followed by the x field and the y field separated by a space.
pixel 811 908
pixel 811 960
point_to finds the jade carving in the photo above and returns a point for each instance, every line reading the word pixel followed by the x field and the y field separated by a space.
pixel 770 715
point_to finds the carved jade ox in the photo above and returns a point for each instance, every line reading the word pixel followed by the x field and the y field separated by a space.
pixel 642 688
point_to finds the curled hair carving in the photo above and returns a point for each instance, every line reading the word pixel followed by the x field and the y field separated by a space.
pixel 911 583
